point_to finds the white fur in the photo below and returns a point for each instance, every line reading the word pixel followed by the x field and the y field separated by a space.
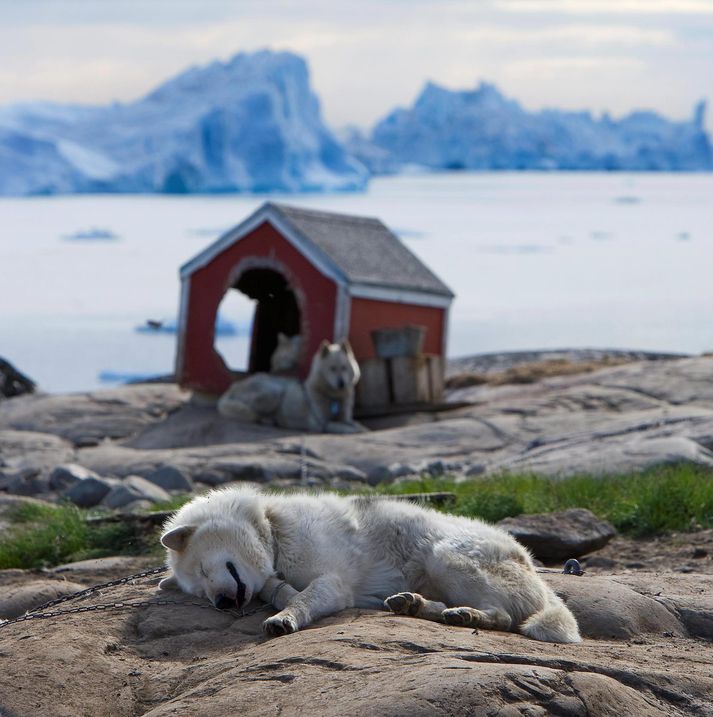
pixel 337 552
pixel 286 356
pixel 323 404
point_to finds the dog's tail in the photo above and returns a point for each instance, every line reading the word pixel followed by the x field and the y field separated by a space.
pixel 554 623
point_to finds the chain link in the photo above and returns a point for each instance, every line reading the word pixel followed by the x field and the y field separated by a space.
pixel 39 613
pixel 94 588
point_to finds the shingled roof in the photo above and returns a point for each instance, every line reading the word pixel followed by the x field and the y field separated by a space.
pixel 363 249
pixel 359 251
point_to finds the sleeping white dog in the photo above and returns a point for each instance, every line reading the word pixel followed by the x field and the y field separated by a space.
pixel 313 555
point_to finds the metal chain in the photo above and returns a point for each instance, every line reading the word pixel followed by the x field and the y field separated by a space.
pixel 36 615
pixel 88 591
pixel 39 613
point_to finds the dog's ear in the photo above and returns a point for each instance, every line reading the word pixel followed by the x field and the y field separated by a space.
pixel 324 348
pixel 169 583
pixel 177 539
pixel 257 516
pixel 346 347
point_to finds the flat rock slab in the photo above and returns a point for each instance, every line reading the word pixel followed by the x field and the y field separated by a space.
pixel 558 536
pixel 86 419
pixel 187 660
pixel 607 610
pixel 98 570
pixel 26 449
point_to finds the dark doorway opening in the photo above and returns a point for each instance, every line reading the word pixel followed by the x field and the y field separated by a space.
pixel 276 312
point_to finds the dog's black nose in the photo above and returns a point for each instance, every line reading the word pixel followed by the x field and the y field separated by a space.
pixel 223 602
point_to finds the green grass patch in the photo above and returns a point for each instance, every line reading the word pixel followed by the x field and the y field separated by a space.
pixel 46 535
pixel 174 503
pixel 659 500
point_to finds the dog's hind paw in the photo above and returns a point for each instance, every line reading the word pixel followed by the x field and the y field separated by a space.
pixel 404 603
pixel 279 625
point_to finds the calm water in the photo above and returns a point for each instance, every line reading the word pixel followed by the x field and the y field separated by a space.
pixel 536 261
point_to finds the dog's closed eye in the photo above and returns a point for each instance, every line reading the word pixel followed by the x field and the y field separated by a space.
pixel 233 571
pixel 241 585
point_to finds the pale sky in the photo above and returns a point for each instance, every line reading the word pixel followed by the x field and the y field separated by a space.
pixel 369 56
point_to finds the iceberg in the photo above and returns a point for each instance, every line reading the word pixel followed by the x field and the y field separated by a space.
pixel 251 124
pixel 483 129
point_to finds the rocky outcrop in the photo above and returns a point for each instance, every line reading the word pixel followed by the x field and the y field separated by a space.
pixel 86 419
pixel 180 658
pixel 13 382
pixel 618 419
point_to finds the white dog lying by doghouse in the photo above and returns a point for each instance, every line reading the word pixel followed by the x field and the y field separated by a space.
pixel 324 403
pixel 313 555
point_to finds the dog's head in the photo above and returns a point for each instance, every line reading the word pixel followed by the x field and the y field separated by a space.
pixel 287 353
pixel 336 366
pixel 225 559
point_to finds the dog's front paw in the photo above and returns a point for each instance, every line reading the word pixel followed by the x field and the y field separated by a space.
pixel 279 625
pixel 404 603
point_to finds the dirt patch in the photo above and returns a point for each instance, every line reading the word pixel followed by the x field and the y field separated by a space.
pixel 531 372
pixel 678 552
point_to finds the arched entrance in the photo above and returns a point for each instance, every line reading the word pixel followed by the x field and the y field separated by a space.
pixel 233 330
pixel 276 311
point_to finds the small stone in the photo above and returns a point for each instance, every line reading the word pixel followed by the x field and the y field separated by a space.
pixel 5 480
pixel 120 496
pixel 349 473
pixel 90 491
pixel 379 474
pixel 699 553
pixel 400 470
pixel 171 478
pixel 561 535
pixel 213 478
pixel 475 469
pixel 28 482
pixel 251 470
pixel 436 468
pixel 67 475
pixel 147 489
pixel 137 506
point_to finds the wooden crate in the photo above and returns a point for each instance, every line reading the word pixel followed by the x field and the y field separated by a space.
pixel 405 380
pixel 409 379
pixel 373 387
pixel 436 377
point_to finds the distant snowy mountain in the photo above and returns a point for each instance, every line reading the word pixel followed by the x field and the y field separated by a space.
pixel 482 129
pixel 250 124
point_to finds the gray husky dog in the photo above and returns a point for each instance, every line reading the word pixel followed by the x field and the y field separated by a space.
pixel 313 555
pixel 323 404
